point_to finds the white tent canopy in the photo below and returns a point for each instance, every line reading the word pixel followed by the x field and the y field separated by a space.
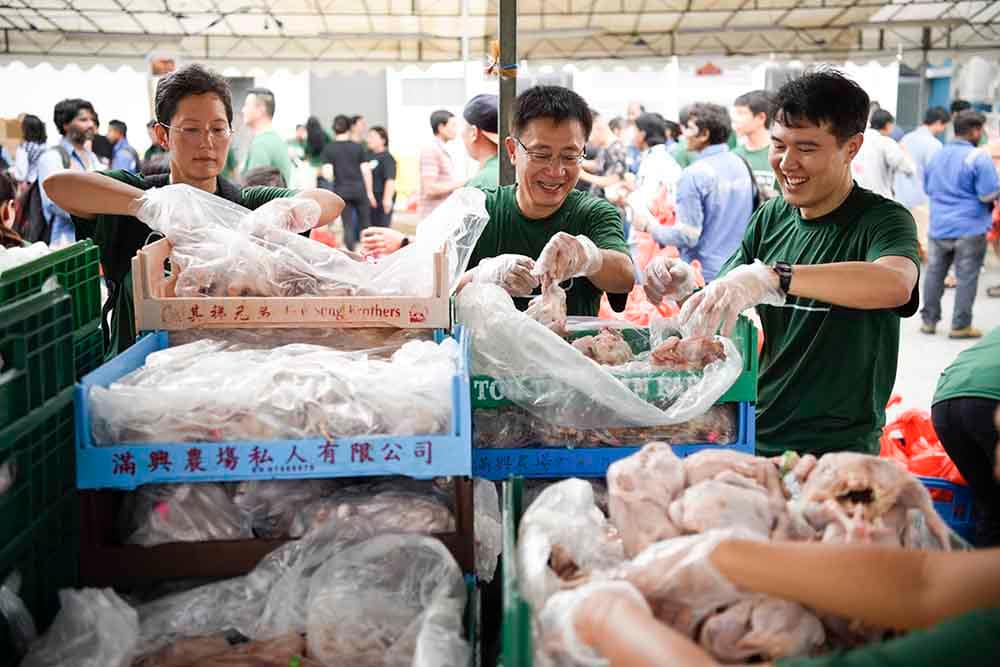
pixel 373 33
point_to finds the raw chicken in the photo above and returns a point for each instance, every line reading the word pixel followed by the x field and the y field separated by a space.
pixel 384 512
pixel 687 354
pixel 640 489
pixel 164 513
pixel 729 501
pixel 763 628
pixel 869 488
pixel 708 463
pixel 549 308
pixel 607 348
pixel 185 652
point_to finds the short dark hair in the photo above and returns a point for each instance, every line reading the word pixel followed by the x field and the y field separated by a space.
pixel 120 126
pixel 881 118
pixel 823 95
pixel 616 123
pixel 682 114
pixel 156 164
pixel 341 124
pixel 8 192
pixel 439 118
pixel 355 119
pixel 264 96
pixel 959 105
pixel 653 126
pixel 188 81
pixel 33 129
pixel 66 111
pixel 936 115
pixel 555 103
pixel 380 131
pixel 672 129
pixel 711 117
pixel 151 124
pixel 758 101
pixel 966 121
pixel 266 175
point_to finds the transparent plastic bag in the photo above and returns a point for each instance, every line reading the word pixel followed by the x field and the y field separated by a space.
pixel 221 249
pixel 164 513
pixel 16 615
pixel 370 603
pixel 561 533
pixel 537 370
pixel 488 529
pixel 377 342
pixel 208 391
pixel 269 507
pixel 513 427
pixel 8 474
pixel 94 628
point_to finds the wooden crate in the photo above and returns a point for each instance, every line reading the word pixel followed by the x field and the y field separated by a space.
pixel 157 307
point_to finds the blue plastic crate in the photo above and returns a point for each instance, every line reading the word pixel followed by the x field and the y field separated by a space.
pixel 129 466
pixel 954 503
pixel 499 464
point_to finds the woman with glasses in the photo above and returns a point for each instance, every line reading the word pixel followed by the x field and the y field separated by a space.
pixel 194 112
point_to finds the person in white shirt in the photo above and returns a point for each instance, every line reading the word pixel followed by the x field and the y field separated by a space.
pixel 880 159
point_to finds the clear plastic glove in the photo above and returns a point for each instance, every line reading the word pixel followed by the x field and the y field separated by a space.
pixel 668 277
pixel 722 301
pixel 380 241
pixel 292 214
pixel 564 612
pixel 511 272
pixel 565 257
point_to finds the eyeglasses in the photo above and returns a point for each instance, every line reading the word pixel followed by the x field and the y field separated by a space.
pixel 192 135
pixel 547 159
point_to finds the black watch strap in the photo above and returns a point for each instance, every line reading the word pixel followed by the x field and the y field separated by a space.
pixel 784 271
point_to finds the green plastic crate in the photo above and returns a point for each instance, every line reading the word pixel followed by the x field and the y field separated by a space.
pixel 78 268
pixel 515 633
pixel 41 449
pixel 46 556
pixel 487 393
pixel 88 348
pixel 36 346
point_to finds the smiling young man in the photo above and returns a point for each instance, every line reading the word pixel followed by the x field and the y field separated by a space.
pixel 542 215
pixel 194 111
pixel 832 268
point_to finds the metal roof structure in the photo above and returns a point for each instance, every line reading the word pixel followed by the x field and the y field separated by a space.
pixel 367 33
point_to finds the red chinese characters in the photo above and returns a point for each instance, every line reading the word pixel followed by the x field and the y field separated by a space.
pixel 295 455
pixel 159 459
pixel 227 458
pixel 194 460
pixel 196 315
pixel 217 312
pixel 259 456
pixel 264 313
pixel 391 451
pixel 328 452
pixel 241 314
pixel 361 452
pixel 123 464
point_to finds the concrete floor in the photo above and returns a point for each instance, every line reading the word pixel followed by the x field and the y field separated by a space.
pixel 923 357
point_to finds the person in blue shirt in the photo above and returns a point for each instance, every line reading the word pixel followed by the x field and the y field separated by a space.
pixel 962 184
pixel 123 156
pixel 714 194
pixel 921 144
pixel 76 121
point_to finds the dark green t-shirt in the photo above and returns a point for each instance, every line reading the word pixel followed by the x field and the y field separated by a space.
pixel 121 236
pixel 826 371
pixel 969 640
pixel 975 373
pixel 509 232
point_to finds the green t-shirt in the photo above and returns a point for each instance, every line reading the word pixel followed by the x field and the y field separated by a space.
pixel 975 373
pixel 121 236
pixel 269 150
pixel 488 177
pixel 966 641
pixel 509 232
pixel 761 167
pixel 826 371
pixel 680 153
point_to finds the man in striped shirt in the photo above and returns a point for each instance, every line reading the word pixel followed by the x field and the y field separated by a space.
pixel 437 171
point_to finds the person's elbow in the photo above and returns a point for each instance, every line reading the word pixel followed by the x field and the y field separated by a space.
pixel 899 283
pixel 619 275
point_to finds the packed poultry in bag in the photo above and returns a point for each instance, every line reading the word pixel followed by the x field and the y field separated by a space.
pixel 164 513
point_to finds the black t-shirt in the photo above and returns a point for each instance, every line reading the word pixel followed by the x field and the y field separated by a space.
pixel 346 158
pixel 383 169
pixel 102 148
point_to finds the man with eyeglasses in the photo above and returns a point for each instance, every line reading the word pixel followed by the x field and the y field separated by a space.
pixel 194 111
pixel 541 228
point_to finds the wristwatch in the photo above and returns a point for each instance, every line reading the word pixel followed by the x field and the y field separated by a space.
pixel 784 271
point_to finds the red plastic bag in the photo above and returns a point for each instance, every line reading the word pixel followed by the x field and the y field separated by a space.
pixel 911 440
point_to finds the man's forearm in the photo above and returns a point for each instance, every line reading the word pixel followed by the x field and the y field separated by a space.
pixel 882 586
pixel 86 195
pixel 330 205
pixel 442 189
pixel 616 274
pixel 861 285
